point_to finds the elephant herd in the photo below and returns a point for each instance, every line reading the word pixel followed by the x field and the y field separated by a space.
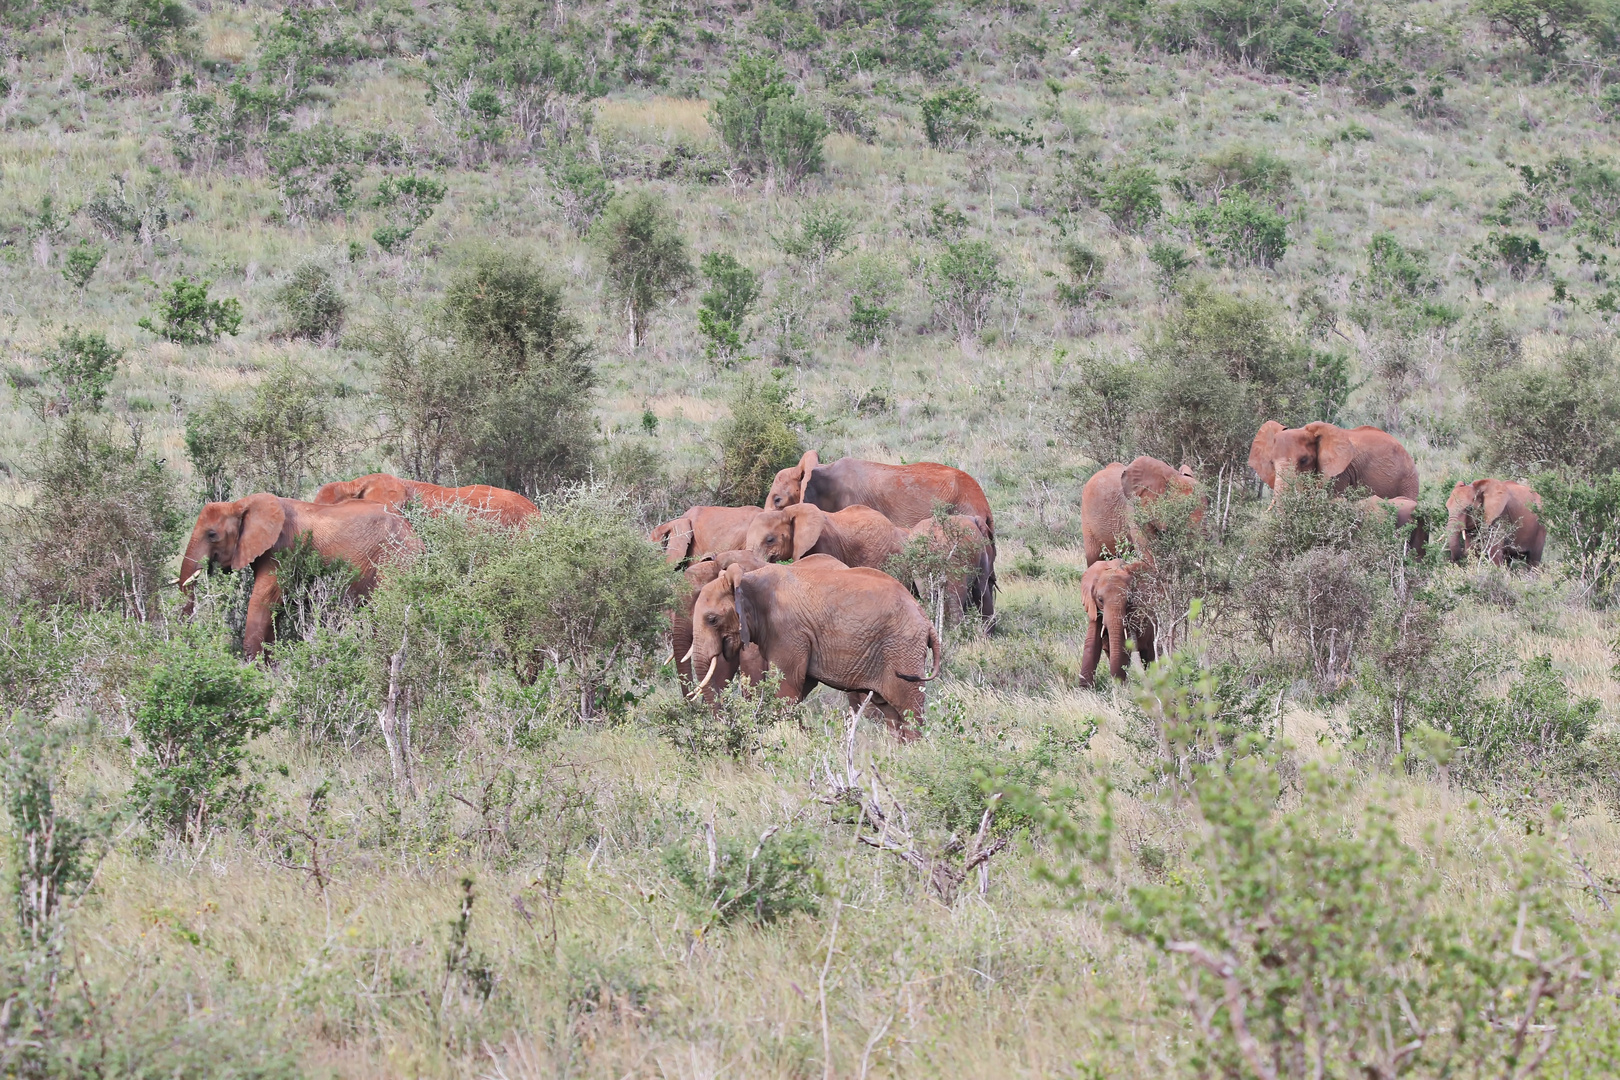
pixel 1119 529
pixel 798 585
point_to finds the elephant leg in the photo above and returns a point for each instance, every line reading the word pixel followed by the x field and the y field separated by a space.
pixel 1145 644
pixel 1093 650
pixel 259 630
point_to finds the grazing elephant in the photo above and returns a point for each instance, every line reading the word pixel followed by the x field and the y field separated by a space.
pixel 1405 511
pixel 1109 496
pixel 1361 457
pixel 696 576
pixel 905 494
pixel 855 535
pixel 508 507
pixel 817 621
pixel 251 530
pixel 1475 511
pixel 961 547
pixel 1112 617
pixel 704 531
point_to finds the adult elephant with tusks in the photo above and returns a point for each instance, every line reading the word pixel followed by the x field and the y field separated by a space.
pixel 905 494
pixel 747 663
pixel 1357 457
pixel 818 621
pixel 251 531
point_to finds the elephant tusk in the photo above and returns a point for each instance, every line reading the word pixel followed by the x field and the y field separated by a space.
pixel 173 583
pixel 689 653
pixel 710 674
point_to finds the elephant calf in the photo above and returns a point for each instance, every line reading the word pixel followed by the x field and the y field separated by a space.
pixel 1112 617
pixel 960 546
pixel 251 530
pixel 703 531
pixel 818 621
pixel 748 661
pixel 1109 499
pixel 507 507
pixel 855 535
pixel 1501 512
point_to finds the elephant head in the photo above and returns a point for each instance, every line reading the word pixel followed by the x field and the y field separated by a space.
pixel 1473 508
pixel 786 535
pixel 1278 453
pixel 719 624
pixel 790 484
pixel 233 534
pixel 378 487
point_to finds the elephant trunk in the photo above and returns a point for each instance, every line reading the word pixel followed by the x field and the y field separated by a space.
pixel 1114 620
pixel 1456 532
pixel 195 556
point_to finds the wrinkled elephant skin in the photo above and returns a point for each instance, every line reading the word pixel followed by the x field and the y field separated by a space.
pixel 507 507
pixel 1112 618
pixel 1360 457
pixel 1109 499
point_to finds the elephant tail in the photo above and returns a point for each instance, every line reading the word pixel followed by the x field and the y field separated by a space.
pixel 939 655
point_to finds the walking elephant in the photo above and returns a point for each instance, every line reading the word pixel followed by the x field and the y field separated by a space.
pixel 507 507
pixel 905 494
pixel 1361 457
pixel 704 531
pixel 1406 516
pixel 748 662
pixel 818 621
pixel 1109 499
pixel 252 530
pixel 855 535
pixel 958 560
pixel 1112 618
pixel 1502 513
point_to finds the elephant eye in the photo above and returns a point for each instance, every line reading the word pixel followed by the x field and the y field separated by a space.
pixel 711 618
pixel 212 535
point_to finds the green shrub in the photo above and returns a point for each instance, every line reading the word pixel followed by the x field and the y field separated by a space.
pixel 196 712
pixel 791 139
pixel 1240 230
pixel 39 647
pixel 1582 517
pixel 731 725
pixel 406 203
pixel 285 438
pixel 642 248
pixel 753 83
pixel 80 265
pixel 760 437
pixel 81 366
pixel 954 117
pixel 318 171
pixel 754 882
pixel 1170 266
pixel 964 281
pixel 733 290
pixel 314 307
pixel 1259 174
pixel 1546 27
pixel 1521 256
pixel 1130 197
pixel 1563 412
pixel 1085 268
pixel 873 286
pixel 186 316
pixel 580 189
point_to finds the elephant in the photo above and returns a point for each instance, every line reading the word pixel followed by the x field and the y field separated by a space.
pixel 508 507
pixel 1405 511
pixel 905 494
pixel 855 535
pixel 1108 499
pixel 818 621
pixel 1361 457
pixel 704 531
pixel 1474 511
pixel 1112 617
pixel 251 530
pixel 961 547
pixel 695 577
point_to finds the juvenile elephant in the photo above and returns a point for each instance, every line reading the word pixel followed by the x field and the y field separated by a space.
pixel 508 507
pixel 251 530
pixel 855 535
pixel 695 577
pixel 1474 511
pixel 704 531
pixel 1112 617
pixel 1109 498
pixel 905 494
pixel 817 621
pixel 961 547
pixel 1405 514
pixel 1361 457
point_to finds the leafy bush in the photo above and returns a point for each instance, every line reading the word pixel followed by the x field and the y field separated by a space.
pixel 791 139
pixel 105 525
pixel 197 710
pixel 730 725
pixel 80 265
pixel 1259 174
pixel 1546 27
pixel 186 316
pixel 760 437
pixel 1562 412
pixel 1583 517
pixel 965 280
pixel 1240 230
pixel 777 878
pixel 954 117
pixel 753 83
pixel 733 290
pixel 580 189
pixel 1521 256
pixel 822 232
pixel 81 367
pixel 406 202
pixel 314 307
pixel 1130 197
pixel 1170 266
pixel 285 438
pixel 641 245
pixel 1085 268
pixel 872 288
pixel 38 650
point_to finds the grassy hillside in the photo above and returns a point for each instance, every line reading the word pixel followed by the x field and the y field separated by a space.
pixel 1181 217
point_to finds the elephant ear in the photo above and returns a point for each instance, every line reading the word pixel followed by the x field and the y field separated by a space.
pixel 1260 455
pixel 679 534
pixel 807 468
pixel 1335 451
pixel 747 612
pixel 808 523
pixel 263 517
pixel 1494 499
pixel 1145 477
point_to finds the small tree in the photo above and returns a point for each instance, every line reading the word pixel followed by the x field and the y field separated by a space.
pixel 81 366
pixel 791 138
pixel 759 438
pixel 645 255
pixel 186 316
pixel 822 232
pixel 965 280
pixel 197 710
pixel 1130 197
pixel 733 290
pixel 406 203
pixel 314 307
pixel 80 265
pixel 872 290
pixel 283 439
pixel 753 83
pixel 1085 267
pixel 1241 230
pixel 580 189
pixel 954 117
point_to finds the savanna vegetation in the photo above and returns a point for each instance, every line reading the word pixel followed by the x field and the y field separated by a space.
pixel 628 258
